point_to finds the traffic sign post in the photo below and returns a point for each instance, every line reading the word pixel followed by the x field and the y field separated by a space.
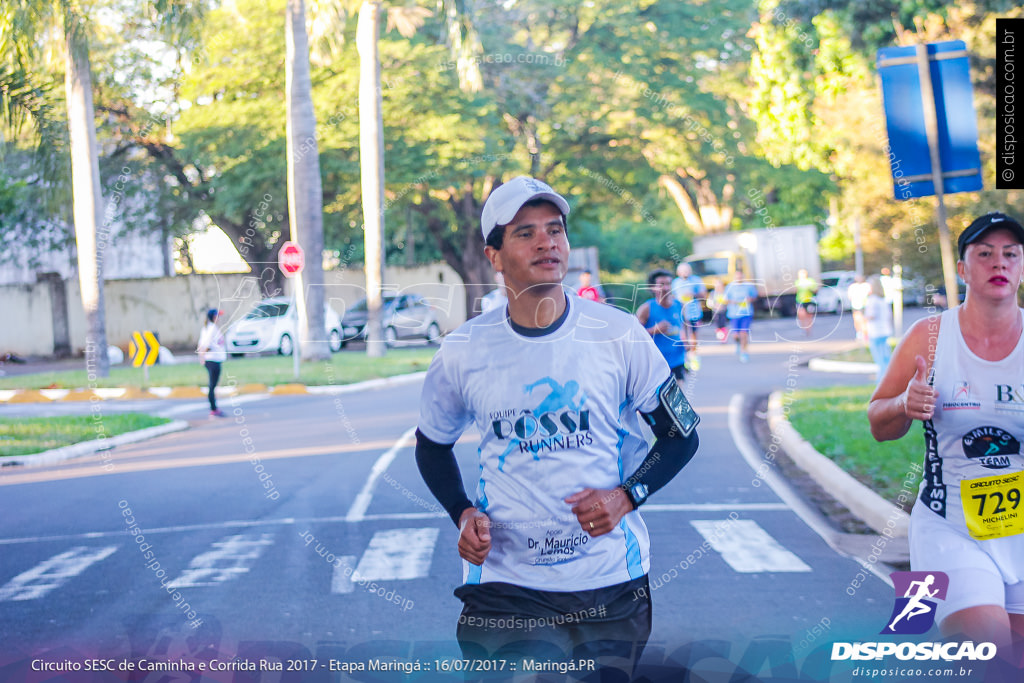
pixel 291 260
pixel 143 350
pixel 933 132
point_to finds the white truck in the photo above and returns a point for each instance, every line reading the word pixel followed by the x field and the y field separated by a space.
pixel 770 257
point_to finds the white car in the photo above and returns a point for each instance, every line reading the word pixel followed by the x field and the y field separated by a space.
pixel 270 326
pixel 833 295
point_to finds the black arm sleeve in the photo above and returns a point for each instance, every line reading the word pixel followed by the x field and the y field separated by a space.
pixel 440 471
pixel 669 454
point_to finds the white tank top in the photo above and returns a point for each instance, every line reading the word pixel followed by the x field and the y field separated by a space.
pixel 978 424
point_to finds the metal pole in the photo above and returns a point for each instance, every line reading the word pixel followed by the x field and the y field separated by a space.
pixel 300 319
pixel 858 251
pixel 931 127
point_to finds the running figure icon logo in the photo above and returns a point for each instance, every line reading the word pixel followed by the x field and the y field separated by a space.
pixel 914 612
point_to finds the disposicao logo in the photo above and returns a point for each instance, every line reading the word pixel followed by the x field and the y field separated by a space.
pixel 914 612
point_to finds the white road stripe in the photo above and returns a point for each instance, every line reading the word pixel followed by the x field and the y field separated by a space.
pixel 357 512
pixel 746 547
pixel 710 507
pixel 341 579
pixel 203 405
pixel 53 573
pixel 287 521
pixel 230 557
pixel 397 554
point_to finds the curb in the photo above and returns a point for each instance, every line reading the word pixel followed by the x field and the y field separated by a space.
pixel 881 515
pixel 89 447
pixel 12 396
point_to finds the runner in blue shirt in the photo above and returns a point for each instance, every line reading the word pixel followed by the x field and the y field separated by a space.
pixel 740 296
pixel 662 317
pixel 691 292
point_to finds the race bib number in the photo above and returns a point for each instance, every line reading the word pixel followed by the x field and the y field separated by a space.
pixel 992 505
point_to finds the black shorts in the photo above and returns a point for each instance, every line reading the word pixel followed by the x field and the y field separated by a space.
pixel 605 627
pixel 679 372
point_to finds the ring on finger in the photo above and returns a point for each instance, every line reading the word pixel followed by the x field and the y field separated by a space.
pixel 591 525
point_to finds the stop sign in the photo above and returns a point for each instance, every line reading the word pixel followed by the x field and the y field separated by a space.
pixel 291 259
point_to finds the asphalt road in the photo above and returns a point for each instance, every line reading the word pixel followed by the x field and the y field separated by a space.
pixel 298 529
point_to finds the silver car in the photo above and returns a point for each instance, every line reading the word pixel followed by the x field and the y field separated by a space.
pixel 270 326
pixel 403 316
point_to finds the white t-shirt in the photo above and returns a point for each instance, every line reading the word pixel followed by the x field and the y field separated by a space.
pixel 212 339
pixel 878 316
pixel 556 414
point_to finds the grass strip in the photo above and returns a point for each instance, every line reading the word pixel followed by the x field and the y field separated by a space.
pixel 345 367
pixel 27 435
pixel 835 421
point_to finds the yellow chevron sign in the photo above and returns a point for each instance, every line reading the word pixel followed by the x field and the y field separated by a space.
pixel 143 348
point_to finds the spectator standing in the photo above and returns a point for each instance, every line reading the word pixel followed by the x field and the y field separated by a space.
pixel 858 294
pixel 212 349
pixel 662 317
pixel 691 292
pixel 587 290
pixel 878 324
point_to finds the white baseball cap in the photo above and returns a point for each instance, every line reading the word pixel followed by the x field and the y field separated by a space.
pixel 505 201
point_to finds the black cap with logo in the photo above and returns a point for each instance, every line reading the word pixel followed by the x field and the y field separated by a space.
pixel 983 223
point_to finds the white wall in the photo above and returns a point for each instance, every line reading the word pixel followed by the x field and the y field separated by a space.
pixel 175 307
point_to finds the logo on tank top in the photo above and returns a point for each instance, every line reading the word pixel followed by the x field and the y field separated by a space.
pixel 1010 398
pixel 558 422
pixel 962 398
pixel 990 447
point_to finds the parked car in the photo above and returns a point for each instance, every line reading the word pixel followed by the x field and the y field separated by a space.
pixel 913 290
pixel 403 316
pixel 270 326
pixel 833 295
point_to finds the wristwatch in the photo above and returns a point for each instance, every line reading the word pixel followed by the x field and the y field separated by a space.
pixel 637 494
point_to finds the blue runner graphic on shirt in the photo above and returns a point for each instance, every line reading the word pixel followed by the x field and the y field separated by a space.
pixel 558 422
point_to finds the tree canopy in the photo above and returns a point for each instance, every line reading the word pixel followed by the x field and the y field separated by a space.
pixel 660 119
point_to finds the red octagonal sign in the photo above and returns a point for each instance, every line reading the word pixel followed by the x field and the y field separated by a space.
pixel 291 259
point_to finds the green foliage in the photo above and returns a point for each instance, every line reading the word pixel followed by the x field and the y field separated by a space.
pixel 27 435
pixel 835 422
pixel 345 367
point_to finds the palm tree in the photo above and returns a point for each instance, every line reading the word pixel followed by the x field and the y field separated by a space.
pixel 464 44
pixel 305 192
pixel 22 22
pixel 371 163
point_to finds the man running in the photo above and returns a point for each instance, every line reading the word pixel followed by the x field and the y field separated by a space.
pixel 555 552
pixel 691 292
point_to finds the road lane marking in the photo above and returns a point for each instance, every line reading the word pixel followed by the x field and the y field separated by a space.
pixel 357 512
pixel 392 516
pixel 229 558
pixel 341 579
pixel 748 548
pixel 125 466
pixel 757 460
pixel 53 573
pixel 711 507
pixel 397 554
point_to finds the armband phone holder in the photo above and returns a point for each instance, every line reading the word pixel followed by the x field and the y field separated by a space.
pixel 678 407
